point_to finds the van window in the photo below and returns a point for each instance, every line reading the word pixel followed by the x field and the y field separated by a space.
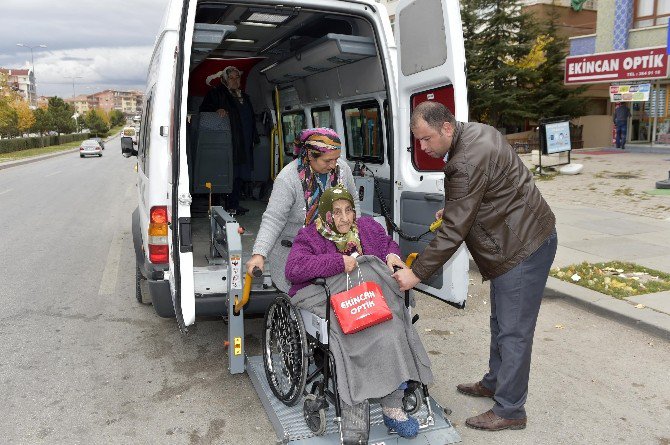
pixel 144 140
pixel 444 95
pixel 363 132
pixel 292 124
pixel 416 55
pixel 321 117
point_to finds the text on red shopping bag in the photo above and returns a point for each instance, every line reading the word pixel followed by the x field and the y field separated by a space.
pixel 360 307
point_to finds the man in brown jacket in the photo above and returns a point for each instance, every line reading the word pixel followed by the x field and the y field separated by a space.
pixel 491 203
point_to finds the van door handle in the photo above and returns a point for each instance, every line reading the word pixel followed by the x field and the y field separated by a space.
pixel 436 197
pixel 185 239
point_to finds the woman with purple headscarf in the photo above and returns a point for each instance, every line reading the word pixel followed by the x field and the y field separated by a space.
pixel 295 198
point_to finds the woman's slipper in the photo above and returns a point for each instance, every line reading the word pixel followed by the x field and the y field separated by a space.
pixel 405 428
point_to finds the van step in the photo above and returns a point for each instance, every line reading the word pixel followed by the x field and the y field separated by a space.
pixel 289 423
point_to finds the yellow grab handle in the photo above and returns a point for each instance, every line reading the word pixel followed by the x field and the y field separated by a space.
pixel 245 293
pixel 410 259
pixel 436 224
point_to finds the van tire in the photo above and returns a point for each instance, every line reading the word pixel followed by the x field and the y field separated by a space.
pixel 141 288
pixel 81 156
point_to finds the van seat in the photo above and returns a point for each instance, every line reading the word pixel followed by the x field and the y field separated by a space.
pixel 213 156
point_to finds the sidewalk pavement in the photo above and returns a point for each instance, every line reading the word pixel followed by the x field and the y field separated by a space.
pixel 594 235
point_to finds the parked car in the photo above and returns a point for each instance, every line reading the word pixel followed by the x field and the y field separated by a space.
pixel 100 141
pixel 90 147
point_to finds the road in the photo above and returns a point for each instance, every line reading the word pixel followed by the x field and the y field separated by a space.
pixel 84 363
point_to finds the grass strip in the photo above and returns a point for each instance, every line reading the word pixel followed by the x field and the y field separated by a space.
pixel 615 278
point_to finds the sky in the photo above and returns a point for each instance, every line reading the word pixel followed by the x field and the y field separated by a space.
pixel 106 42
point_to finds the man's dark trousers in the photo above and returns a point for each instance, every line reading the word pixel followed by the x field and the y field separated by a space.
pixel 515 303
pixel 621 135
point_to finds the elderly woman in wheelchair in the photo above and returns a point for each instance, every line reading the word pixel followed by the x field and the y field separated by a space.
pixel 378 362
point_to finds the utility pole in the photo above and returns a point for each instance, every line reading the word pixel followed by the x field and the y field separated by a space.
pixel 73 78
pixel 32 62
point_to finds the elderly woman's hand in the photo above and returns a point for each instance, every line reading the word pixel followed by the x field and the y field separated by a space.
pixel 394 261
pixel 350 263
pixel 255 261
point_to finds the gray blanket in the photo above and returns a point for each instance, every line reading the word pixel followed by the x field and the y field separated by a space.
pixel 373 362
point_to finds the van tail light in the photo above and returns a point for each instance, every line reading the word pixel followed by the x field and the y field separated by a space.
pixel 158 235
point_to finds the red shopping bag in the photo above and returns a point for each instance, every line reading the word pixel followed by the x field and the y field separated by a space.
pixel 360 307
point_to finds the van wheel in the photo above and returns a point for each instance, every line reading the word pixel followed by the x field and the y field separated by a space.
pixel 81 156
pixel 141 288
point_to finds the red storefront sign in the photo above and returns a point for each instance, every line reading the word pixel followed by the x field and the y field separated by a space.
pixel 648 63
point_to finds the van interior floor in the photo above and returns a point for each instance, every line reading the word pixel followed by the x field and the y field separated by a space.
pixel 291 428
pixel 200 229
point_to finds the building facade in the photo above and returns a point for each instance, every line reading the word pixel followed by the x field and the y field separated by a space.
pixel 626 58
pixel 23 82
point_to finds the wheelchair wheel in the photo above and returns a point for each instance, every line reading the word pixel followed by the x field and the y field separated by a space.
pixel 315 415
pixel 285 351
pixel 412 401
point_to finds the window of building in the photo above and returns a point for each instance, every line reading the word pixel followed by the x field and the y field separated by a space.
pixel 321 117
pixel 363 131
pixel 292 124
pixel 651 13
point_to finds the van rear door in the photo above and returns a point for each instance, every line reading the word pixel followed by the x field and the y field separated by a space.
pixel 430 66
pixel 179 229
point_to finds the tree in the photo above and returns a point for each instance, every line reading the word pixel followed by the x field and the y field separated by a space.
pixel 94 120
pixel 116 118
pixel 550 97
pixel 42 123
pixel 498 34
pixel 25 117
pixel 61 115
pixel 8 117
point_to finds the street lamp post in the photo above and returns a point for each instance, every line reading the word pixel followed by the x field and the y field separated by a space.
pixel 32 61
pixel 73 78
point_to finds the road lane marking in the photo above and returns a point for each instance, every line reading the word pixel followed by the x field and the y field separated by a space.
pixel 54 173
pixel 6 191
pixel 111 272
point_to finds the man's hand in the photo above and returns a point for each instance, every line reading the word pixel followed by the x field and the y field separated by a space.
pixel 394 261
pixel 255 261
pixel 438 214
pixel 350 263
pixel 406 279
pixel 221 112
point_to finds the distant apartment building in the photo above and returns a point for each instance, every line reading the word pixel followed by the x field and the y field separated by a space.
pixel 80 104
pixel 128 102
pixel 23 82
pixel 42 101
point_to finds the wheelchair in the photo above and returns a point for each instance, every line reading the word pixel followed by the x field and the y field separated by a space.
pixel 299 366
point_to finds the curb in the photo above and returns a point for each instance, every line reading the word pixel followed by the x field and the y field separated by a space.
pixel 9 164
pixel 648 320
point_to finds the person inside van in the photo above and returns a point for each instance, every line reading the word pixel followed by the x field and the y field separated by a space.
pixel 228 99
pixel 295 198
pixel 328 247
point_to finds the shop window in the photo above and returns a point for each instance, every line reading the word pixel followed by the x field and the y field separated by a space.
pixel 321 117
pixel 651 13
pixel 363 132
pixel 292 124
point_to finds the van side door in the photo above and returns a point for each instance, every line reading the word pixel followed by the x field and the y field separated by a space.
pixel 430 66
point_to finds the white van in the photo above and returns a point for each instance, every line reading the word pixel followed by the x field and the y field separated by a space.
pixel 305 63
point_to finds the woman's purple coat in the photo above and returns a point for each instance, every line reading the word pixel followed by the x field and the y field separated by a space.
pixel 313 256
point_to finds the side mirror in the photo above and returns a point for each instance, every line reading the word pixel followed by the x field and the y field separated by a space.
pixel 127 147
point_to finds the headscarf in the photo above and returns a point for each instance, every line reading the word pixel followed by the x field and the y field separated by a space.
pixel 325 223
pixel 315 140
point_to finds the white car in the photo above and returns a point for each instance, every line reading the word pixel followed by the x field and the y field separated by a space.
pixel 90 147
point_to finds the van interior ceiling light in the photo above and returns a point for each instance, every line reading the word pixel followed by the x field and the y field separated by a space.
pixel 268 17
pixel 269 67
pixel 265 25
pixel 241 40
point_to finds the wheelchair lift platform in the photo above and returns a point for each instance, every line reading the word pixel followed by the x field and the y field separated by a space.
pixel 291 428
